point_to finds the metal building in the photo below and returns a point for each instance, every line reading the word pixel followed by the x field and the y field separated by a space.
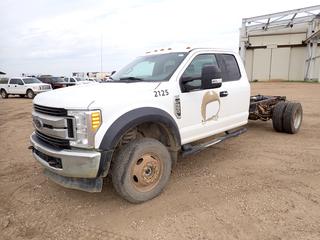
pixel 282 46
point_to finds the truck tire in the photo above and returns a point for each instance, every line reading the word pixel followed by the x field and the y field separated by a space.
pixel 292 117
pixel 141 170
pixel 277 116
pixel 4 94
pixel 30 94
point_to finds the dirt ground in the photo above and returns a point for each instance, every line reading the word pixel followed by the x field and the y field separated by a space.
pixel 261 185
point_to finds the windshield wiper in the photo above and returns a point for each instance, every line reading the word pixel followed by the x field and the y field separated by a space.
pixel 132 78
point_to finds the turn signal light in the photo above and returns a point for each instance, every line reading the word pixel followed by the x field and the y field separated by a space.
pixel 95 120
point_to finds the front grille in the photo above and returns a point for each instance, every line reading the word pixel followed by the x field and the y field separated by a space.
pixel 56 142
pixel 44 87
pixel 52 161
pixel 50 110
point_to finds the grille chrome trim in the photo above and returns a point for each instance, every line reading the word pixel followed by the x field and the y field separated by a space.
pixel 56 142
pixel 50 110
pixel 57 127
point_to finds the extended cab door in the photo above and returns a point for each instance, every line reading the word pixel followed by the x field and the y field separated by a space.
pixel 205 112
pixel 13 86
pixel 21 88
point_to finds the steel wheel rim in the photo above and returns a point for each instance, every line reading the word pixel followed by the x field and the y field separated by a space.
pixel 29 94
pixel 146 172
pixel 297 119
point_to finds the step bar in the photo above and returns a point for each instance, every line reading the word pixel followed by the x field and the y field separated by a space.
pixel 189 149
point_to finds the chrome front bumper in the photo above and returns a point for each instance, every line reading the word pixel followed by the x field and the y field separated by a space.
pixel 74 163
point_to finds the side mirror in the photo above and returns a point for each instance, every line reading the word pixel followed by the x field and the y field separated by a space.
pixel 211 77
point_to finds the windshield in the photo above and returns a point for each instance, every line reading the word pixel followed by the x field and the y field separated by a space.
pixel 151 68
pixel 31 80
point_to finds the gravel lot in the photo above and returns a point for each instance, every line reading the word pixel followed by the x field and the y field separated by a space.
pixel 261 185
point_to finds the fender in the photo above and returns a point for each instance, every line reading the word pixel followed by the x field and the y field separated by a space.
pixel 132 119
pixel 128 120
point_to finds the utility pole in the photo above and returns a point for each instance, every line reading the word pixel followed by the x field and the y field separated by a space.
pixel 101 42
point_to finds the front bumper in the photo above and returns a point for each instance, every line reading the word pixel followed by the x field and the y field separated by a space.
pixel 71 163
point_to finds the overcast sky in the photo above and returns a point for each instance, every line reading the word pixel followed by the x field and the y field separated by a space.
pixel 62 36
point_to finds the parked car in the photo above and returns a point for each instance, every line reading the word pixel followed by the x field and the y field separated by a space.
pixel 76 81
pixel 55 82
pixel 154 110
pixel 23 86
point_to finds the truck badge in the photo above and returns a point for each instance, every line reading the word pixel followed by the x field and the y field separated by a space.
pixel 177 106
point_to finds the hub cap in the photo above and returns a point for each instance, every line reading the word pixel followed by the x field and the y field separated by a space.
pixel 297 119
pixel 146 172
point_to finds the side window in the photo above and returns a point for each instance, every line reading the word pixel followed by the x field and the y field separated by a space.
pixel 72 80
pixel 193 71
pixel 13 81
pixel 229 67
pixel 19 82
pixel 66 79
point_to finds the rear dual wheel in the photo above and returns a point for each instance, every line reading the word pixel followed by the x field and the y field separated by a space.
pixel 141 170
pixel 287 117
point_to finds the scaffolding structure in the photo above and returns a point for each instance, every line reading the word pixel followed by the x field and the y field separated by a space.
pixel 285 20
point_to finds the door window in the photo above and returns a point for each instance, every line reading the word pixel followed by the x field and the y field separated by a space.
pixel 193 71
pixel 229 67
pixel 72 80
pixel 14 81
pixel 19 82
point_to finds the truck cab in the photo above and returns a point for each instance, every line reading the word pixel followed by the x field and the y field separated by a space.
pixel 136 125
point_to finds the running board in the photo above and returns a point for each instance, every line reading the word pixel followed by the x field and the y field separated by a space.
pixel 189 149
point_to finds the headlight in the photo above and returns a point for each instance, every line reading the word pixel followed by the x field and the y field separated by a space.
pixel 87 124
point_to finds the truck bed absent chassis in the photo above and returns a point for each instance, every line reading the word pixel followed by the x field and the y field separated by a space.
pixel 261 107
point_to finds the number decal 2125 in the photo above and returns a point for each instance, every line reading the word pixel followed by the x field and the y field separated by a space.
pixel 161 93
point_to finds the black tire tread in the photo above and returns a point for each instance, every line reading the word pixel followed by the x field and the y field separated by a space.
pixel 288 115
pixel 277 116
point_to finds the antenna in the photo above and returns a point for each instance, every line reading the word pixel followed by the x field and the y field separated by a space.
pixel 101 41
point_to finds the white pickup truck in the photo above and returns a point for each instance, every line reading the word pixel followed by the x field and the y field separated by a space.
pixel 135 126
pixel 76 81
pixel 23 86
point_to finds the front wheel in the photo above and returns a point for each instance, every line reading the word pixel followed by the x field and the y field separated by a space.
pixel 30 94
pixel 141 170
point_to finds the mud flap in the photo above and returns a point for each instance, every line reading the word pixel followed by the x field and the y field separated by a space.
pixel 83 184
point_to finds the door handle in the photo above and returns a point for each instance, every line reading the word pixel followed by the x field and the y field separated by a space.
pixel 224 94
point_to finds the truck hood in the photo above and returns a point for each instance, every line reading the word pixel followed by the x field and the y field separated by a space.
pixel 82 96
